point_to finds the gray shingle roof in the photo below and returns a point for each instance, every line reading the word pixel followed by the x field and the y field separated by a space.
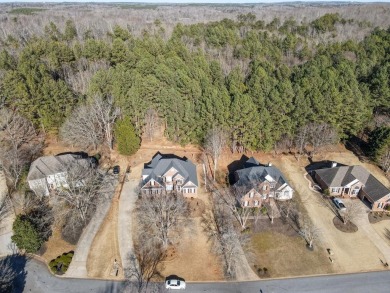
pixel 253 173
pixel 341 176
pixel 160 164
pixel 50 165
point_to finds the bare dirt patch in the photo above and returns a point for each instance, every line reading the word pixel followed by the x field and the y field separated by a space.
pixel 56 246
pixel 349 227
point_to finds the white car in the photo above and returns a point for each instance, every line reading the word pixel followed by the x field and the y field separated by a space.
pixel 175 284
pixel 339 204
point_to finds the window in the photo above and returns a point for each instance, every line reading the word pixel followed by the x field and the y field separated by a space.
pixel 264 187
pixel 335 189
pixel 251 194
pixel 355 190
pixel 256 202
pixel 286 193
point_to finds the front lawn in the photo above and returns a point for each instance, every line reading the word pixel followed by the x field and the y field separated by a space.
pixel 284 254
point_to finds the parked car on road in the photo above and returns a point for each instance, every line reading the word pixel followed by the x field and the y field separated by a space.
pixel 175 284
pixel 339 204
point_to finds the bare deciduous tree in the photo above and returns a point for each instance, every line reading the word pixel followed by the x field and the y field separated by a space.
pixel 162 214
pixel 91 124
pixel 85 188
pixel 270 206
pixel 308 231
pixel 352 212
pixel 220 230
pixel 384 160
pixel 317 135
pixel 214 143
pixel 143 264
pixel 231 198
pixel 19 144
pixel 152 123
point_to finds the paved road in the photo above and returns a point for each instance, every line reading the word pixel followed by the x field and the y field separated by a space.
pixel 39 280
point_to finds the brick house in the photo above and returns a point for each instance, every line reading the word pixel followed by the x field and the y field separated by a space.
pixel 168 173
pixel 258 183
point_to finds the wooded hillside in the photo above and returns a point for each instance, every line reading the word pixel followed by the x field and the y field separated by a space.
pixel 264 80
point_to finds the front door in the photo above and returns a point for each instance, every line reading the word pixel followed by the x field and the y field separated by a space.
pixel 346 190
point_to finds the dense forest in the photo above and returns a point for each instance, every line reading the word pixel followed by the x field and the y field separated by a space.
pixel 262 82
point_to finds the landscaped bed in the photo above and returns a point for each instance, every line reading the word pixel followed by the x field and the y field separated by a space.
pixel 60 264
pixel 375 217
pixel 348 227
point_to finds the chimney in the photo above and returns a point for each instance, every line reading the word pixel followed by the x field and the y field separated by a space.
pixel 269 164
pixel 334 164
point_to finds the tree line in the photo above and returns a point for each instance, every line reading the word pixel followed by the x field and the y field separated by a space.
pixel 261 83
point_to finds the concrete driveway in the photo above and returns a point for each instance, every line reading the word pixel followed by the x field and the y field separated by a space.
pixel 125 224
pixel 353 252
pixel 364 225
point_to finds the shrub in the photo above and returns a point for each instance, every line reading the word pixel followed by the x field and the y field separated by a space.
pixel 61 264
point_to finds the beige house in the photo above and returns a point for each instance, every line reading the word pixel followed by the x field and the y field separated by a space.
pixel 50 172
pixel 259 183
pixel 353 181
pixel 169 173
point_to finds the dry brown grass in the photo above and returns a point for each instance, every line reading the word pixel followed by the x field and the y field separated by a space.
pixel 286 256
pixel 56 246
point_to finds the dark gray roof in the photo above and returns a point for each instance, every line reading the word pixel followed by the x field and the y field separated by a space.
pixel 341 176
pixel 254 172
pixel 161 164
pixel 50 165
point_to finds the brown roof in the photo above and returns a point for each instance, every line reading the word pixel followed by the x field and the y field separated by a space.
pixel 342 176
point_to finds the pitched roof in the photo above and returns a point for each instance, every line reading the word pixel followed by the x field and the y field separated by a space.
pixel 341 176
pixel 254 172
pixel 160 164
pixel 50 165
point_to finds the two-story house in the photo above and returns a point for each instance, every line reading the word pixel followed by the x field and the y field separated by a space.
pixel 168 173
pixel 50 172
pixel 353 181
pixel 258 183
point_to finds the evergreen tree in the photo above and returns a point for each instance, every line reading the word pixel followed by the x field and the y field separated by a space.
pixel 25 235
pixel 126 138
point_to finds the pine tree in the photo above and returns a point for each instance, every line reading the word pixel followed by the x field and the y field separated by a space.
pixel 25 235
pixel 126 138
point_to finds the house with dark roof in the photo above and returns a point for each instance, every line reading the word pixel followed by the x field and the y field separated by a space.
pixel 50 172
pixel 169 173
pixel 258 183
pixel 353 181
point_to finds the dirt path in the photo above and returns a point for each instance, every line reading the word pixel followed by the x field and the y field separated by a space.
pixel 353 252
